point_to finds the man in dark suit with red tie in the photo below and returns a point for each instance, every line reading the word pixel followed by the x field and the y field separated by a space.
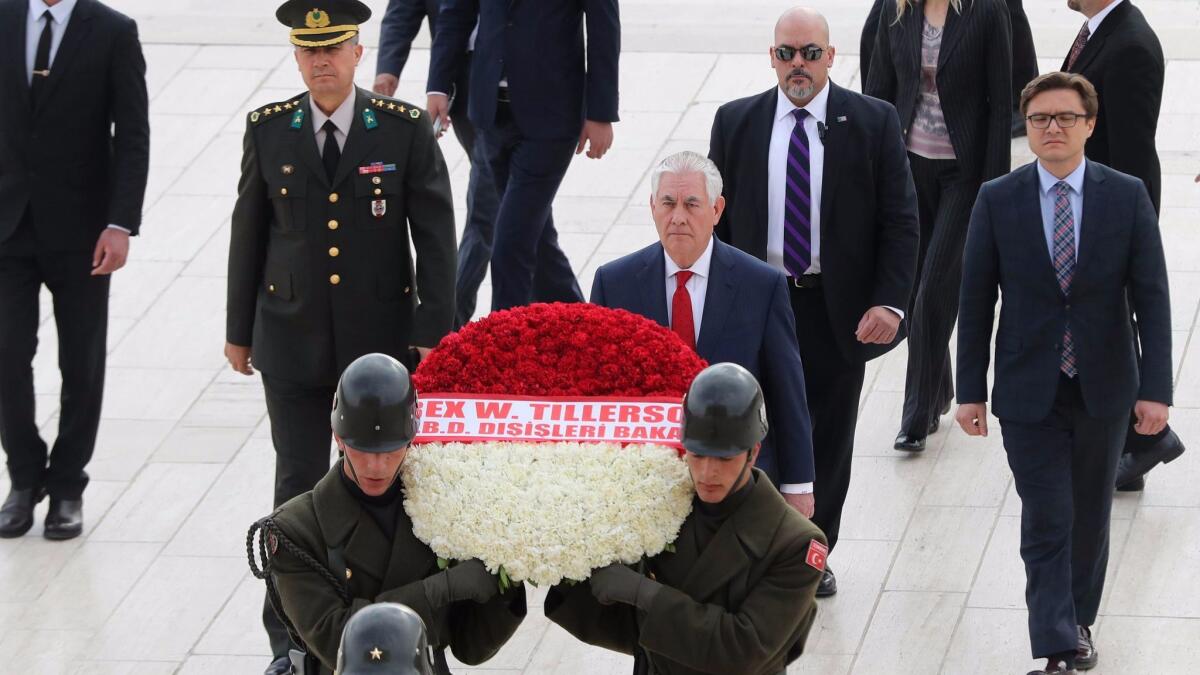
pixel 74 157
pixel 725 304
pixel 1118 52
pixel 1073 246
pixel 817 184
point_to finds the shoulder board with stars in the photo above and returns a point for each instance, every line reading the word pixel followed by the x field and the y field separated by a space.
pixel 397 108
pixel 275 110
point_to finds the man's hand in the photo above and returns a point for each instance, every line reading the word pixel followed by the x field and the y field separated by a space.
pixel 972 417
pixel 1151 417
pixel 385 83
pixel 804 503
pixel 438 108
pixel 112 248
pixel 598 136
pixel 878 326
pixel 239 358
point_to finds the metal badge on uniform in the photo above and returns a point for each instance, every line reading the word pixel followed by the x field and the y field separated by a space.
pixel 378 207
pixel 287 169
pixel 841 118
pixel 298 118
pixel 376 167
pixel 369 120
pixel 817 555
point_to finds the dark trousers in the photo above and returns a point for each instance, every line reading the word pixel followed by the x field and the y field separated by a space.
pixel 81 315
pixel 1064 468
pixel 1024 56
pixel 944 203
pixel 300 430
pixel 527 174
pixel 834 384
pixel 475 247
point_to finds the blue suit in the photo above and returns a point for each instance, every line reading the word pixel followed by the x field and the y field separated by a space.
pixel 747 320
pixel 1063 435
pixel 528 131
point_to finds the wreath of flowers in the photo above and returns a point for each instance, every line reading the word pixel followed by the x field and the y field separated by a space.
pixel 544 512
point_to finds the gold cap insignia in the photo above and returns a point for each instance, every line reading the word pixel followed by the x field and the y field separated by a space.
pixel 317 18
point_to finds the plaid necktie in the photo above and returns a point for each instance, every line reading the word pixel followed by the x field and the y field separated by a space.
pixel 797 201
pixel 1078 45
pixel 1064 264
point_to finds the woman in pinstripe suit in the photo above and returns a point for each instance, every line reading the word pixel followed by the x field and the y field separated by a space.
pixel 947 67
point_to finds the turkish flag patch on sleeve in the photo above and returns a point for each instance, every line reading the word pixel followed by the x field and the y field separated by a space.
pixel 817 554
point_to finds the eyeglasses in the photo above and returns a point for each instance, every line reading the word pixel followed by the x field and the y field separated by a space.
pixel 809 52
pixel 1065 120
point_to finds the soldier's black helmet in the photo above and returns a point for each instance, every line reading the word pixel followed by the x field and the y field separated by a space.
pixel 375 407
pixel 723 412
pixel 384 639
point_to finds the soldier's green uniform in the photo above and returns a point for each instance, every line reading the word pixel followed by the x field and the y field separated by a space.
pixel 374 568
pixel 738 593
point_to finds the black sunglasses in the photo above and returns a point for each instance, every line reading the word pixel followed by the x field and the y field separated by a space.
pixel 809 52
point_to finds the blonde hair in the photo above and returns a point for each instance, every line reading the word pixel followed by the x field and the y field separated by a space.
pixel 903 5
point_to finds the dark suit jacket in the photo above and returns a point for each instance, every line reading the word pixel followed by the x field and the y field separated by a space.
pixel 59 155
pixel 1124 61
pixel 974 80
pixel 289 217
pixel 744 604
pixel 400 25
pixel 378 569
pixel 869 230
pixel 553 79
pixel 1120 260
pixel 748 321
pixel 1024 65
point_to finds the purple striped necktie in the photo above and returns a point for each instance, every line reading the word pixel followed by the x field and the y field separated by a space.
pixel 797 201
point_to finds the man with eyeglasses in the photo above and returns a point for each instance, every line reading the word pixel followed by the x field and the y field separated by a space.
pixel 817 184
pixel 1074 247
pixel 1117 50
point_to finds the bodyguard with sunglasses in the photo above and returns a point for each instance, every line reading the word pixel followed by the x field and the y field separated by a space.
pixel 818 185
pixel 1074 247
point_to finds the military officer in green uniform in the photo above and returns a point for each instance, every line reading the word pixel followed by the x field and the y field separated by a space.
pixel 348 543
pixel 737 593
pixel 336 184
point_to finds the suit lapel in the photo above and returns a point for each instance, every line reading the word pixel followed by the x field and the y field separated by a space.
pixel 951 36
pixel 1095 43
pixel 1095 204
pixel 835 140
pixel 1028 204
pixel 359 141
pixel 15 16
pixel 652 275
pixel 763 121
pixel 78 28
pixel 306 137
pixel 722 289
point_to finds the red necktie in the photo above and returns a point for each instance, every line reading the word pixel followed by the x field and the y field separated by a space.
pixel 681 310
pixel 1077 47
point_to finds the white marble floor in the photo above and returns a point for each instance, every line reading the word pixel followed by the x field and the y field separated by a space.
pixel 930 577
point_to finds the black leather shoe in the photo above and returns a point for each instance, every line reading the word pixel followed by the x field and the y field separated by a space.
pixel 64 520
pixel 16 516
pixel 828 584
pixel 280 666
pixel 1055 667
pixel 909 443
pixel 1134 465
pixel 1085 654
pixel 1136 485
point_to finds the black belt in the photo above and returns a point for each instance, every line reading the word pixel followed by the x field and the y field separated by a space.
pixel 502 95
pixel 806 281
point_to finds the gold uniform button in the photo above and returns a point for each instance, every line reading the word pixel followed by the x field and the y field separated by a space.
pixel 333 252
pixel 333 197
pixel 333 224
pixel 348 573
pixel 378 191
pixel 271 288
pixel 376 180
pixel 283 191
pixel 335 279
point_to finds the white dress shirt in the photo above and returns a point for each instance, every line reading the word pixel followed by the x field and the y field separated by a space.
pixel 781 134
pixel 1094 23
pixel 60 16
pixel 697 288
pixel 342 118
pixel 1046 183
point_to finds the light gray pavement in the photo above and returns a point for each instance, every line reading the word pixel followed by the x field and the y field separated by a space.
pixel 928 566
